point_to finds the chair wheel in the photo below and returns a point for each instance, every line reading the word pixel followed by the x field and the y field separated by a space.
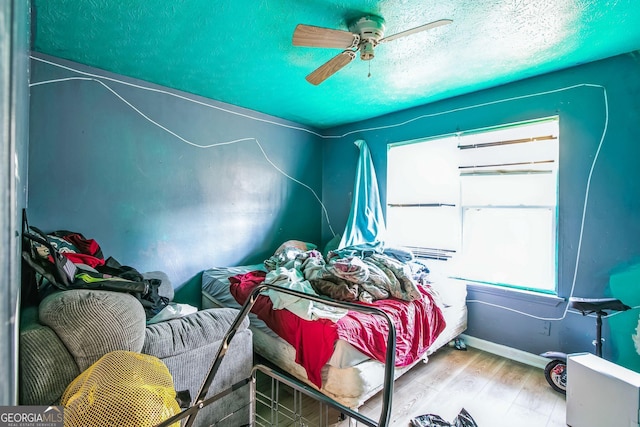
pixel 556 375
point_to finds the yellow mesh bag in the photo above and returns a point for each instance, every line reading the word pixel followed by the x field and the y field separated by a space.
pixel 121 389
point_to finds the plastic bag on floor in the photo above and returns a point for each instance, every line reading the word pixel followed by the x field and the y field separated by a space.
pixel 463 419
pixel 429 420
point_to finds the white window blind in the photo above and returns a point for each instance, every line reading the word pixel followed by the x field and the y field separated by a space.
pixel 423 195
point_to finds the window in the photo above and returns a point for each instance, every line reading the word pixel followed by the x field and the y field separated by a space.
pixel 485 199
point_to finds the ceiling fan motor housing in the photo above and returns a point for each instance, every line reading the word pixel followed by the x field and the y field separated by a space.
pixel 371 30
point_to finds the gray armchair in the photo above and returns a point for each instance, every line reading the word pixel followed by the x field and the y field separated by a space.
pixel 71 330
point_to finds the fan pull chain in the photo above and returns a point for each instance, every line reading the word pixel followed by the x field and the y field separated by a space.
pixel 369 75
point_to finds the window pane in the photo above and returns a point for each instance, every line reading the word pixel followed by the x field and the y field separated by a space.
pixel 433 227
pixel 423 173
pixel 509 190
pixel 509 246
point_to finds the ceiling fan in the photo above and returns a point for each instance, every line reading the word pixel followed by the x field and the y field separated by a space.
pixel 364 35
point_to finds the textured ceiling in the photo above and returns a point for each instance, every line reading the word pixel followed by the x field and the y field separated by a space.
pixel 241 52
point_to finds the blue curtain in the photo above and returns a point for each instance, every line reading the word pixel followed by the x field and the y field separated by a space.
pixel 365 227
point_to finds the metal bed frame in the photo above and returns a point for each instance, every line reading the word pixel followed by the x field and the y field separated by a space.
pixel 200 402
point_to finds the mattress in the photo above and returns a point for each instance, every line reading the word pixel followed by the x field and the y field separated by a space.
pixel 349 377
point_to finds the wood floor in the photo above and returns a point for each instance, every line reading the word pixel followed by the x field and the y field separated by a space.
pixel 495 391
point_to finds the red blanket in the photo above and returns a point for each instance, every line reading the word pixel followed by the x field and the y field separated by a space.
pixel 417 325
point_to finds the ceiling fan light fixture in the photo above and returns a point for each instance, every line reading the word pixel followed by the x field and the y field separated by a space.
pixel 366 50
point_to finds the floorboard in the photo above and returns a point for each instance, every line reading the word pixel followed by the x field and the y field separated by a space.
pixel 496 391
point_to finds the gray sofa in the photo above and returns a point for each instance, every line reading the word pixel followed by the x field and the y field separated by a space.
pixel 71 330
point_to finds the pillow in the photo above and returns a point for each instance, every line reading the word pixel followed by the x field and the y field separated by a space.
pixel 92 323
pixel 296 244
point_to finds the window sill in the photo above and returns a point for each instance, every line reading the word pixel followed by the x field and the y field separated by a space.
pixel 529 296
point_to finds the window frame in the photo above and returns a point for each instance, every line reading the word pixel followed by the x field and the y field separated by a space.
pixel 440 254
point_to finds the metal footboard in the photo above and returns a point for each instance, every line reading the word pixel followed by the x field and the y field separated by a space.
pixel 200 402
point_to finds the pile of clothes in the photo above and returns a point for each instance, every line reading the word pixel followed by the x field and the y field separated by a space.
pixel 349 275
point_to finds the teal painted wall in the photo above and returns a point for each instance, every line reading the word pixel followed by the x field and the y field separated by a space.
pixel 155 202
pixel 611 234
pixel 152 200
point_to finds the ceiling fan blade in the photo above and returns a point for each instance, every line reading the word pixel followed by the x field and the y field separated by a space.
pixel 308 35
pixel 417 30
pixel 330 67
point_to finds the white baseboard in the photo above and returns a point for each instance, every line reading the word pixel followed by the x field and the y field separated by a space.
pixel 504 351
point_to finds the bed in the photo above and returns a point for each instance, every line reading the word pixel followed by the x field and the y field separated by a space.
pixel 350 376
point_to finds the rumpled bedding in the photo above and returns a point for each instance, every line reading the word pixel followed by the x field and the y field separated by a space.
pixel 302 307
pixel 386 282
pixel 313 339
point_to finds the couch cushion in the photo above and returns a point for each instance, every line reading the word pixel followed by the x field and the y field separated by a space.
pixel 92 323
pixel 46 367
pixel 190 369
pixel 177 336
